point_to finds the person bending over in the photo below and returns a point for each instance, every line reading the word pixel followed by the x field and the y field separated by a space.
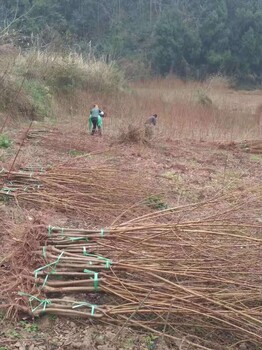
pixel 95 120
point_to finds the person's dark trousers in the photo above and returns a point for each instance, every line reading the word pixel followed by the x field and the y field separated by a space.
pixel 94 121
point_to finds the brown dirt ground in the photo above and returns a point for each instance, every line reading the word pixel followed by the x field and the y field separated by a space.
pixel 181 171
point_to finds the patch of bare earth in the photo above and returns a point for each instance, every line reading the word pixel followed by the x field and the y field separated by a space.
pixel 177 172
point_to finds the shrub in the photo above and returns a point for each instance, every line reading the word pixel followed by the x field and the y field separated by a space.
pixel 134 69
pixel 219 81
pixel 156 202
pixel 5 141
pixel 13 98
pixel 28 83
pixel 203 99
pixel 133 134
pixel 66 73
pixel 40 97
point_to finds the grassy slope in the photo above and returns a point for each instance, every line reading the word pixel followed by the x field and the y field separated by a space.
pixel 32 83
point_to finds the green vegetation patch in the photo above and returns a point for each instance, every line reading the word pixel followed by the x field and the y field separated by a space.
pixel 29 327
pixel 256 157
pixel 5 141
pixel 40 96
pixel 29 86
pixel 204 99
pixel 156 202
pixel 69 73
pixel 76 153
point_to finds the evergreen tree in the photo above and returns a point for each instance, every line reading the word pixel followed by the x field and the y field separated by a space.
pixel 181 36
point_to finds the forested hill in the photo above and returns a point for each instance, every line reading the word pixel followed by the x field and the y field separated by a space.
pixel 188 37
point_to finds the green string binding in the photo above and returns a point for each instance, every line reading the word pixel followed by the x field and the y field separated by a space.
pixel 44 252
pixel 42 302
pixel 107 261
pixel 74 239
pixel 95 278
pixel 53 265
pixel 92 306
pixel 50 230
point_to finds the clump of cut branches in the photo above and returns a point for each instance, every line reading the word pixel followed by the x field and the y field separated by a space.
pixel 132 134
pixel 249 146
pixel 99 193
pixel 176 275
pixel 16 267
pixel 184 275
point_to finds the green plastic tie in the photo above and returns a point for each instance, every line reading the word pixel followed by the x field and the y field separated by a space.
pixel 92 306
pixel 50 230
pixel 42 302
pixel 102 232
pixel 53 265
pixel 73 239
pixel 7 190
pixel 45 281
pixel 59 228
pixel 95 279
pixel 107 261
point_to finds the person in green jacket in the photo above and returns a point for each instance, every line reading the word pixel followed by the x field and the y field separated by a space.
pixel 95 120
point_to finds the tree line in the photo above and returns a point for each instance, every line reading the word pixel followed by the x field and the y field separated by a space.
pixel 191 38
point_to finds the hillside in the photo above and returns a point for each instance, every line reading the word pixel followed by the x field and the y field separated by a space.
pixel 129 240
pixel 190 39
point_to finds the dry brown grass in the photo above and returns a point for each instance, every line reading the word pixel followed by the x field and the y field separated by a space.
pixel 30 82
pixel 229 115
pixel 66 73
pixel 259 115
pixel 209 110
